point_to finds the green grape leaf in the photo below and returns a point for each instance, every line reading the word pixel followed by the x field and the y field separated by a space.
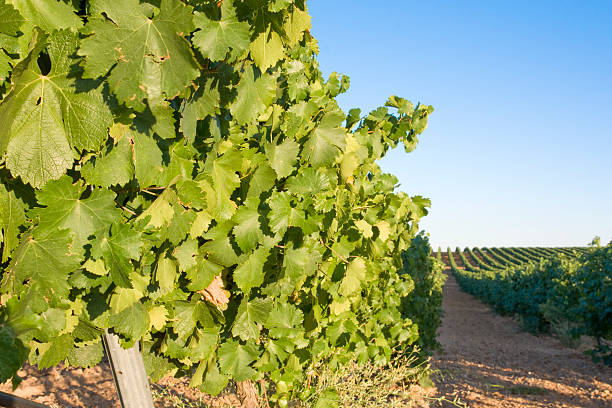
pixel 200 224
pixel 203 343
pixel 12 217
pixel 355 274
pixel 308 181
pixel 339 306
pixel 216 37
pixel 44 115
pixel 114 167
pixel 147 159
pixel 283 157
pixel 203 103
pixel 364 228
pixel 254 96
pixel 186 254
pixel 57 352
pixel 184 319
pixel 48 15
pixel 250 273
pixel 262 180
pixel 145 56
pixel 46 259
pixel 214 381
pixel 295 24
pixel 403 106
pixel 300 262
pixel 203 274
pixel 11 19
pixel 125 297
pixel 14 354
pixel 327 140
pixel 133 321
pixel 250 317
pixel 86 356
pixel 219 248
pixel 158 316
pixel 190 194
pixel 283 214
pixel 161 212
pixel 181 163
pixel 235 358
pixel 418 207
pixel 180 225
pixel 123 244
pixel 267 49
pixel 65 209
pixel 222 171
pixel 285 320
pixel 143 160
pixel 329 398
pixel 5 65
pixel 248 229
pixel 166 272
pixel 156 365
pixel 279 5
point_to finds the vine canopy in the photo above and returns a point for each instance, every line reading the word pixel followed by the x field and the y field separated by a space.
pixel 180 172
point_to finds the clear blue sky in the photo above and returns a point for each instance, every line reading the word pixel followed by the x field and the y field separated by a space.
pixel 519 149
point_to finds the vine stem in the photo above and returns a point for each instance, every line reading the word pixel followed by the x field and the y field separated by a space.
pixel 149 192
pixel 128 210
pixel 334 252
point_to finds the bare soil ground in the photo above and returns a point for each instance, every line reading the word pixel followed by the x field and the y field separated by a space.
pixel 67 387
pixel 489 362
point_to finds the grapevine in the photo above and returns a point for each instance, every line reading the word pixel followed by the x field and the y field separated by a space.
pixel 180 173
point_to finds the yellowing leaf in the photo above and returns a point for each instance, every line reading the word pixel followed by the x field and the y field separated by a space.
pixel 353 277
pixel 96 267
pixel 267 49
pixel 295 24
pixel 158 316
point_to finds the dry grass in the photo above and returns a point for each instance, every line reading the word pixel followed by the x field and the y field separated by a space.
pixel 402 382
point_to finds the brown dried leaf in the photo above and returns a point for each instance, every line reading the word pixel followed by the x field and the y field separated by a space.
pixel 215 293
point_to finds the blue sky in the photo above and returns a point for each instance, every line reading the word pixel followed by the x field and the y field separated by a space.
pixel 519 149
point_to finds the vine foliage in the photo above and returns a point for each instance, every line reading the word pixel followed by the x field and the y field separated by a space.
pixel 179 172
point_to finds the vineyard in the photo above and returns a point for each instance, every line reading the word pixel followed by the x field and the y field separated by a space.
pixel 566 291
pixel 182 197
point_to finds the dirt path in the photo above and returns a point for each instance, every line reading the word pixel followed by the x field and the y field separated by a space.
pixel 487 361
